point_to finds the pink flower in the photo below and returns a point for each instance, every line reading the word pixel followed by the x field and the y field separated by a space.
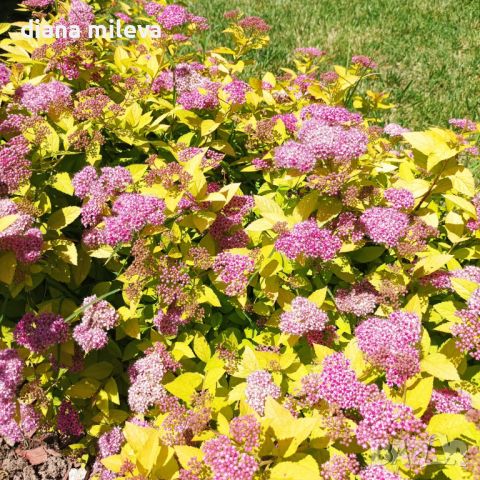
pixel 237 90
pixel 52 97
pixel 39 332
pixel 294 155
pixel 234 270
pixel 467 332
pixel 463 124
pixel 260 386
pixel 304 317
pixel 14 165
pixel 385 225
pixel 330 115
pixel 4 75
pixel 254 24
pixel 360 300
pixel 246 431
pixel 307 239
pixel 391 344
pixel 394 130
pixel 98 317
pixel 68 420
pixel 336 142
pixel 450 401
pixel 363 61
pixel 377 472
pixel 340 467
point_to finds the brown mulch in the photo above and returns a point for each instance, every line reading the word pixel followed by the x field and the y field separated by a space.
pixel 40 459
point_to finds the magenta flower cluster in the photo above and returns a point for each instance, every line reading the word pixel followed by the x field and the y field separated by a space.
pixel 14 165
pixel 39 332
pixel 360 300
pixel 234 270
pixel 98 317
pixel 20 237
pixel 391 344
pixel 467 332
pixel 307 239
pixel 11 367
pixel 68 420
pixel 399 198
pixel 304 317
pixel 52 97
pixel 97 189
pixel 260 386
pixel 385 225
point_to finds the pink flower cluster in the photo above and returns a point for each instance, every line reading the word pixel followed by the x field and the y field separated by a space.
pixel 310 52
pixel 463 124
pixel 168 322
pixel 467 332
pixel 385 225
pixel 132 212
pixel 330 115
pixel 110 443
pixel 377 472
pixel 394 130
pixel 391 344
pixel 348 227
pixel 450 401
pixel 364 61
pixel 20 237
pixel 304 317
pixel 194 90
pixel 227 228
pixel 4 75
pixel 68 420
pixel 97 189
pixel 14 165
pixel 237 90
pixel 246 432
pixel 333 142
pixel 254 24
pixel 11 367
pixel 309 240
pixel 260 386
pixel 399 198
pixel 98 317
pixel 383 421
pixel 340 467
pixel 360 300
pixel 146 375
pixel 234 270
pixel 39 332
pixel 337 384
pixel 52 97
pixel 472 224
pixel 173 16
pixel 294 155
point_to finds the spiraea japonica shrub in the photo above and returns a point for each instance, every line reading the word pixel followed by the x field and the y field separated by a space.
pixel 207 276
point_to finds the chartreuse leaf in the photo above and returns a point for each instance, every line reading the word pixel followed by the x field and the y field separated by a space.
pixel 447 426
pixel 287 427
pixel 185 453
pixel 464 287
pixel 201 348
pixel 439 366
pixel 85 388
pixel 184 385
pixel 6 221
pixel 63 217
pixel 304 468
pixel 8 264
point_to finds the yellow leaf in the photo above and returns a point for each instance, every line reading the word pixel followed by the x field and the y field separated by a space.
pixel 201 348
pixel 269 209
pixel 113 463
pixel 85 388
pixel 6 221
pixel 8 264
pixel 63 183
pixel 318 297
pixel 112 391
pixel 464 287
pixel 208 126
pixel 447 426
pixel 185 453
pixel 439 366
pixel 431 263
pixel 184 385
pixel 304 469
pixel 63 217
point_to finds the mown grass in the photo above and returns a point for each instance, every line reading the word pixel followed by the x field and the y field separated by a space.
pixel 428 51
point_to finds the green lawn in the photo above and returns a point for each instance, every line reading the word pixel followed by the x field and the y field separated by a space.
pixel 428 50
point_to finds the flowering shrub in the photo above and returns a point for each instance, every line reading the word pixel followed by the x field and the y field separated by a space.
pixel 206 276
